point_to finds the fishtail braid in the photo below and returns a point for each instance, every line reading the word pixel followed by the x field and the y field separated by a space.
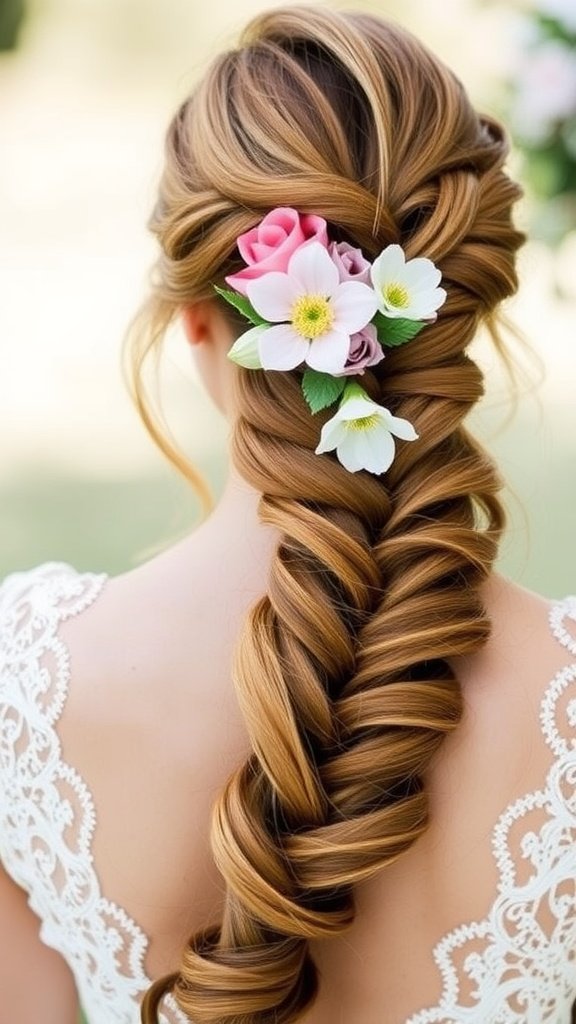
pixel 343 668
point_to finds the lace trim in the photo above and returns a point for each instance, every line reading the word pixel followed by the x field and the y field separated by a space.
pixel 47 813
pixel 519 962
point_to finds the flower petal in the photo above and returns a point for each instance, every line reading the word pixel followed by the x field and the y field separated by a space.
pixel 389 265
pixel 356 407
pixel 273 295
pixel 420 274
pixel 329 352
pixel 372 449
pixel 331 435
pixel 281 348
pixel 380 449
pixel 398 426
pixel 246 349
pixel 354 305
pixel 424 304
pixel 313 270
pixel 350 452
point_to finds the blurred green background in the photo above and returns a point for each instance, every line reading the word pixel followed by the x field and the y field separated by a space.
pixel 86 90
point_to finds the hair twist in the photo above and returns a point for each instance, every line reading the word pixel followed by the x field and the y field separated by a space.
pixel 343 668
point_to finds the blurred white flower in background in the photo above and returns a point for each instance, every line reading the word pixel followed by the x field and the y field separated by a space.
pixel 540 109
pixel 546 90
pixel 98 81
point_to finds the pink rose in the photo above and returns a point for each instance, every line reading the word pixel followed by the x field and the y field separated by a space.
pixel 272 242
pixel 352 264
pixel 365 350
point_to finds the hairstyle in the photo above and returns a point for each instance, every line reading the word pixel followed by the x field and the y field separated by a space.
pixel 342 668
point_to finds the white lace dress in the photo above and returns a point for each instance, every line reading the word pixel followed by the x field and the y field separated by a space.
pixel 516 966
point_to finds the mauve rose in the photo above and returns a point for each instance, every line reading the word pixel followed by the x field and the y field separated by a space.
pixel 352 264
pixel 365 350
pixel 271 243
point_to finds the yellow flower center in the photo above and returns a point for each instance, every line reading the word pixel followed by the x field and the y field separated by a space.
pixel 396 295
pixel 364 422
pixel 312 316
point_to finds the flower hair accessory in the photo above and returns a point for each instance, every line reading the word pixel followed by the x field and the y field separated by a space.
pixel 321 303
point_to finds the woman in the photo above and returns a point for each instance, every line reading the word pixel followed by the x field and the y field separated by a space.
pixel 315 762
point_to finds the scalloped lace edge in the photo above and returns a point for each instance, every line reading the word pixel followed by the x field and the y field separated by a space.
pixel 55 582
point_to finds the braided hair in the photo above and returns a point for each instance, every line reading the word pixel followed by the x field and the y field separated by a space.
pixel 342 667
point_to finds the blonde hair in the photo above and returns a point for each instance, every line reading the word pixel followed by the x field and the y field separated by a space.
pixel 342 668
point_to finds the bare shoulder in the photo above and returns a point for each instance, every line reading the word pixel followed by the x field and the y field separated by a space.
pixel 522 652
pixel 515 605
pixel 163 633
pixel 151 727
pixel 504 685
pixel 521 636
pixel 157 646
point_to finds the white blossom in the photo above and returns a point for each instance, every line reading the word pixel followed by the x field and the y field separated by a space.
pixel 362 433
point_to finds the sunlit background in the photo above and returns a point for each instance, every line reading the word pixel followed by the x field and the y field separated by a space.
pixel 86 91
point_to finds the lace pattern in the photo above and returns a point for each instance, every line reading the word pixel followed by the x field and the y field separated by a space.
pixel 47 815
pixel 518 965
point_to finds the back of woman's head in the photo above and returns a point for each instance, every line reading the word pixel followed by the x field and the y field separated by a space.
pixel 342 669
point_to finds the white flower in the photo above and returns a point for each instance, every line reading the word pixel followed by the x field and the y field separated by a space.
pixel 361 432
pixel 406 289
pixel 313 314
pixel 546 90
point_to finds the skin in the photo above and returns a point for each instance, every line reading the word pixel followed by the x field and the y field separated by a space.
pixel 158 697
pixel 210 338
pixel 52 996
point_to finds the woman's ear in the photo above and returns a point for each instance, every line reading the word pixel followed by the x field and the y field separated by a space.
pixel 199 322
pixel 210 338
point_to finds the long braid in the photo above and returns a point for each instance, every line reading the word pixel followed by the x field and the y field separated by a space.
pixel 342 670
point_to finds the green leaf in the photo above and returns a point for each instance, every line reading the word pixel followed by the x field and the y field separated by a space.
pixel 393 331
pixel 321 389
pixel 242 304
